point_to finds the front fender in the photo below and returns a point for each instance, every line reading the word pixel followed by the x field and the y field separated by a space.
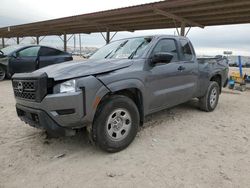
pixel 130 84
pixel 126 84
pixel 94 91
pixel 4 62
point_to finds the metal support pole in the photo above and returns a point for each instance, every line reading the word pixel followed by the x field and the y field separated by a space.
pixel 240 66
pixel 183 29
pixel 17 40
pixel 37 40
pixel 3 42
pixel 107 36
pixel 187 31
pixel 80 44
pixel 74 42
pixel 65 42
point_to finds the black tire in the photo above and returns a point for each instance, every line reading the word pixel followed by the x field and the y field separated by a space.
pixel 2 73
pixel 205 101
pixel 115 107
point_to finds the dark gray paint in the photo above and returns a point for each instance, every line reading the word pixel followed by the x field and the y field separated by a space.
pixel 162 86
pixel 73 69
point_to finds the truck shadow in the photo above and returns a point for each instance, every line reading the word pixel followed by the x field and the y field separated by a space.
pixel 171 113
pixel 80 141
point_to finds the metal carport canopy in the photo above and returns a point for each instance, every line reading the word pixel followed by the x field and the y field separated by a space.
pixel 158 15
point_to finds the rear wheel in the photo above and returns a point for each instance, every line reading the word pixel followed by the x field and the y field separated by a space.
pixel 210 100
pixel 2 73
pixel 116 123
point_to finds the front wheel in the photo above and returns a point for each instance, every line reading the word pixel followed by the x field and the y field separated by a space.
pixel 210 100
pixel 2 73
pixel 116 123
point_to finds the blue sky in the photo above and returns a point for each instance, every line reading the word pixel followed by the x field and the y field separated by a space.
pixel 209 41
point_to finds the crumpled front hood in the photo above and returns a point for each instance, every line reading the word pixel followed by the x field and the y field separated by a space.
pixel 73 69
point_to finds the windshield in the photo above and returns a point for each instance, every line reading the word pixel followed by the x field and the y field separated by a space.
pixel 8 50
pixel 127 48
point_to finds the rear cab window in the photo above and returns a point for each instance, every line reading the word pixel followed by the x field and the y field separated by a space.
pixel 186 50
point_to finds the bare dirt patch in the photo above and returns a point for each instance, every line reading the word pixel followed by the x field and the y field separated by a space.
pixel 179 147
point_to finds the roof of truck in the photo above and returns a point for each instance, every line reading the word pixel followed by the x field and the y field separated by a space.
pixel 153 36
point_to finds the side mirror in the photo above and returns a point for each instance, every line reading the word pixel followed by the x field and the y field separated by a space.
pixel 14 55
pixel 162 57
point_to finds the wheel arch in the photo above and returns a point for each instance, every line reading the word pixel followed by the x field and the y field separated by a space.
pixel 5 68
pixel 217 78
pixel 133 89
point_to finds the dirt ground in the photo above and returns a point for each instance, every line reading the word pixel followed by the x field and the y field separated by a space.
pixel 179 147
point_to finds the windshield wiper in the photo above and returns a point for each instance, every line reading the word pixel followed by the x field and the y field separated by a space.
pixel 135 51
pixel 118 48
pixel 108 54
pixel 1 52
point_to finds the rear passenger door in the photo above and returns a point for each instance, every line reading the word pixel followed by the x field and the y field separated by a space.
pixel 49 56
pixel 190 68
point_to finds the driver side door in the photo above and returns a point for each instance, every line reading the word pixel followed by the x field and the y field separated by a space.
pixel 165 80
pixel 24 60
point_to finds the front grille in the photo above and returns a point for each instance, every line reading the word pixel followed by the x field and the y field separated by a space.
pixel 31 89
pixel 25 89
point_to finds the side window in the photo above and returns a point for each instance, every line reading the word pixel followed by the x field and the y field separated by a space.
pixel 29 52
pixel 186 50
pixel 49 52
pixel 167 45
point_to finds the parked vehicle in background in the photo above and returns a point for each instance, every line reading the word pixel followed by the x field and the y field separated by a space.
pixel 112 91
pixel 234 61
pixel 248 64
pixel 88 55
pixel 233 64
pixel 19 59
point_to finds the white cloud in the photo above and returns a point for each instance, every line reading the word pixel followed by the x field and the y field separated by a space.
pixel 211 40
pixel 47 9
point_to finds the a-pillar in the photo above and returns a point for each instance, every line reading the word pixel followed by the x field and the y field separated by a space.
pixel 80 44
pixel 65 42
pixel 17 40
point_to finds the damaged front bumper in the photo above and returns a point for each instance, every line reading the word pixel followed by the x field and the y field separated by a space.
pixel 59 114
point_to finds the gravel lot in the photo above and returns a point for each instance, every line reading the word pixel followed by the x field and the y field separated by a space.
pixel 179 147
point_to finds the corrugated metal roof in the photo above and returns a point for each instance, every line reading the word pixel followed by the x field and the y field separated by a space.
pixel 158 15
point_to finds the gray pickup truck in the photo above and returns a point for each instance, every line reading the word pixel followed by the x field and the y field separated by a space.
pixel 112 91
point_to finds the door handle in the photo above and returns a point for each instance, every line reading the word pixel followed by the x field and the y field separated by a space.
pixel 181 68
